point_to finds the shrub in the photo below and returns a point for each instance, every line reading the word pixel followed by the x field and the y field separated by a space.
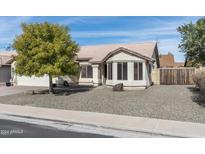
pixel 199 81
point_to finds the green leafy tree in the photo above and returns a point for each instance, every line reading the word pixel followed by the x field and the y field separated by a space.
pixel 193 42
pixel 45 49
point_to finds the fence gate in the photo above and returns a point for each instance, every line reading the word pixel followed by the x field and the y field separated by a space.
pixel 176 76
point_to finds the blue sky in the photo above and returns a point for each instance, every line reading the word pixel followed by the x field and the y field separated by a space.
pixel 108 30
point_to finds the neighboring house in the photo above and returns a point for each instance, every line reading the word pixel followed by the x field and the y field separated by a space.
pixel 168 61
pixel 5 66
pixel 130 64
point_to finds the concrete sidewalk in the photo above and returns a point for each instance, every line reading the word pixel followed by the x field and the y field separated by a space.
pixel 129 123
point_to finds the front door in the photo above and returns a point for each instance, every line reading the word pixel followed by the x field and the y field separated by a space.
pixel 104 73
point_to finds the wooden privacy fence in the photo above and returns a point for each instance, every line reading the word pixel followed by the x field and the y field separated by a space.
pixel 176 76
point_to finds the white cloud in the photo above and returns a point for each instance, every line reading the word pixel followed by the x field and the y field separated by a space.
pixel 12 24
pixel 72 20
pixel 128 33
pixel 159 28
pixel 9 27
pixel 163 31
pixel 87 20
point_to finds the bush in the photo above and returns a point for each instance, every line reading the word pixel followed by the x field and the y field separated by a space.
pixel 199 81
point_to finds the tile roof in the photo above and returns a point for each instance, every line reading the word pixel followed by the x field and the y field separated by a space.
pixel 97 53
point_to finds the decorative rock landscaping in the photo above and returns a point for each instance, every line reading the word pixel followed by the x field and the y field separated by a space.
pixel 174 102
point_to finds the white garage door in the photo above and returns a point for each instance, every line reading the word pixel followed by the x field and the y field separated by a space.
pixel 33 81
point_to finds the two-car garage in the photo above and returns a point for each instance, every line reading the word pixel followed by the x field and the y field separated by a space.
pixel 32 81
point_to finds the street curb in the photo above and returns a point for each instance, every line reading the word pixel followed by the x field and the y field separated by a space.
pixel 91 125
pixel 120 122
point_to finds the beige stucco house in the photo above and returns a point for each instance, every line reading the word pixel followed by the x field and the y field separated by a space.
pixel 130 64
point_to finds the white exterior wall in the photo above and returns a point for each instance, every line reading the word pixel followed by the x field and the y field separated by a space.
pixel 96 75
pixel 123 57
pixel 146 73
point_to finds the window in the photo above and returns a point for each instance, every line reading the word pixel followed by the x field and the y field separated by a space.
pixel 109 71
pixel 138 71
pixel 86 71
pixel 121 71
pixel 83 71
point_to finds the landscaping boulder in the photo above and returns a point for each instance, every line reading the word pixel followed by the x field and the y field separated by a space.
pixel 118 87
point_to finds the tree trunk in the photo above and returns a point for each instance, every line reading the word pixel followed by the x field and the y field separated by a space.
pixel 51 91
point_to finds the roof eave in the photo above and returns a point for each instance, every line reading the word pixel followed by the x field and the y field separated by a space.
pixel 84 59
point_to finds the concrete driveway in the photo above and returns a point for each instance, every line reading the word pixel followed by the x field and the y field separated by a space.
pixel 15 89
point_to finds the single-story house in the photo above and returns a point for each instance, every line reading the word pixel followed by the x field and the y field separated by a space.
pixel 130 64
pixel 168 61
pixel 5 66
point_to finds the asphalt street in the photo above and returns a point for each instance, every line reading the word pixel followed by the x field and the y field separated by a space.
pixel 14 129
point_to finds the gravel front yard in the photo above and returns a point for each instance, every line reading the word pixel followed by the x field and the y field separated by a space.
pixel 165 102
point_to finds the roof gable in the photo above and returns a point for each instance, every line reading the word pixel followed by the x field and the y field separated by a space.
pixel 123 56
pixel 127 51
